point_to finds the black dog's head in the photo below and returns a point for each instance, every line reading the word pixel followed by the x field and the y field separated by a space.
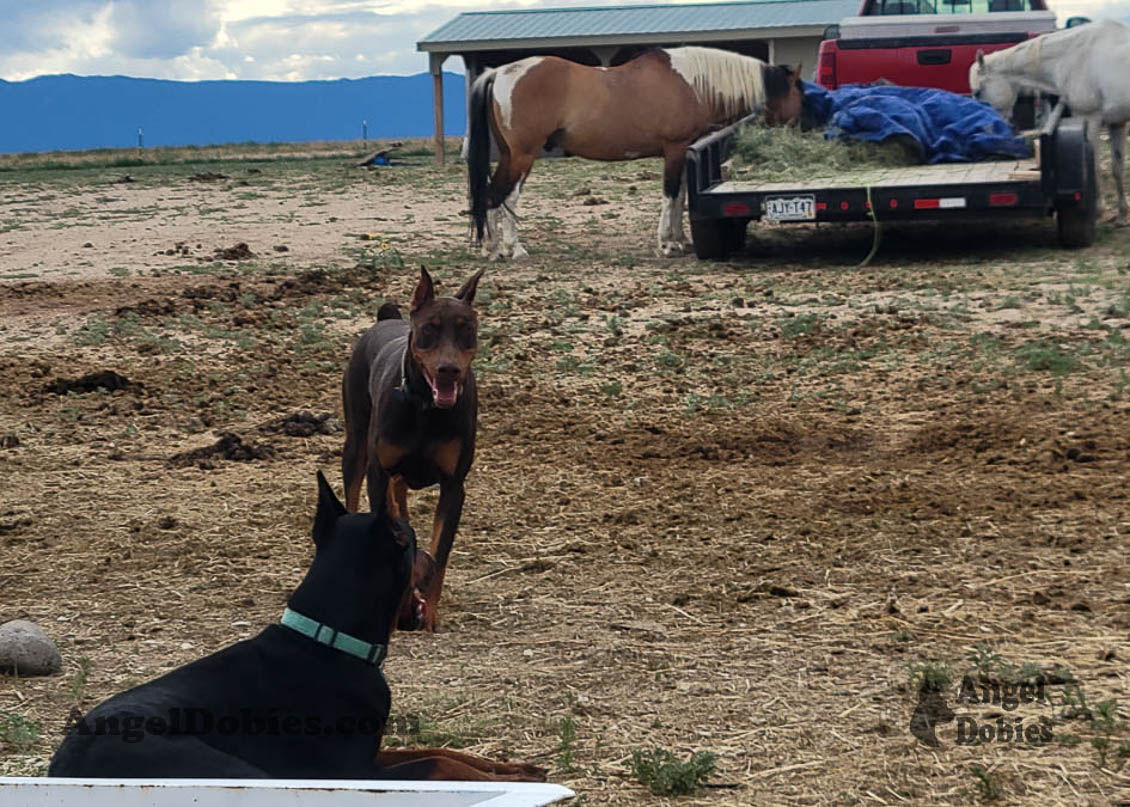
pixel 444 337
pixel 361 577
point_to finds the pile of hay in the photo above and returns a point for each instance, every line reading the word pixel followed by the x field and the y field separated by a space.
pixel 786 154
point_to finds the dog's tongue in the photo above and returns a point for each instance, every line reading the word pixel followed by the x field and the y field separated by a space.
pixel 444 392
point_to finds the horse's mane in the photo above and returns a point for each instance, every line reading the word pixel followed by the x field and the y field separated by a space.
pixel 733 84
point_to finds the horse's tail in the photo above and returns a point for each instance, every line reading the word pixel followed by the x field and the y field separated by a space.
pixel 478 150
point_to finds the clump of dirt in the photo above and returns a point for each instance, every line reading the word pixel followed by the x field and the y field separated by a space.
pixel 230 446
pixel 105 379
pixel 225 294
pixel 239 252
pixel 208 176
pixel 319 281
pixel 179 249
pixel 303 424
pixel 149 308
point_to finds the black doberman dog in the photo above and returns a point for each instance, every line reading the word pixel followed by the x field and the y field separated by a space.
pixel 304 699
pixel 411 410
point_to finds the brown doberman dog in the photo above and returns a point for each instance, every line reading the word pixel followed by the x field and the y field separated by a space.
pixel 411 410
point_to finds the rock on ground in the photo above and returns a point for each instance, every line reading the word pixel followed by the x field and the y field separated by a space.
pixel 26 650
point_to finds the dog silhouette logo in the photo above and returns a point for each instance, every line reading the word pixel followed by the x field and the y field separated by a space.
pixel 931 710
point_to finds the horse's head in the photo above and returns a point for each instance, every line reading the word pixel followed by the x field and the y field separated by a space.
pixel 992 87
pixel 784 103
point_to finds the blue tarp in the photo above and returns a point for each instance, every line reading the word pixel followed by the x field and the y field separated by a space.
pixel 949 128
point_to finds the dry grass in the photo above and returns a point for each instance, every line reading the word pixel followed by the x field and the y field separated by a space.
pixel 188 155
pixel 730 508
pixel 783 154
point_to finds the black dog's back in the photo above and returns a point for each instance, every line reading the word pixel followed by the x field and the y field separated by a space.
pixel 248 711
pixel 284 704
pixel 388 311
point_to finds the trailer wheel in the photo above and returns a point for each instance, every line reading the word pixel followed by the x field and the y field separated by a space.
pixel 717 239
pixel 1076 222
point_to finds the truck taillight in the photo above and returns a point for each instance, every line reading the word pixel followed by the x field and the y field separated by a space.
pixel 827 74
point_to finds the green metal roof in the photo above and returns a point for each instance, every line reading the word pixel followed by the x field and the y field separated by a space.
pixel 609 22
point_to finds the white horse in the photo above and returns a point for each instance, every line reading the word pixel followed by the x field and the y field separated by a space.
pixel 1085 66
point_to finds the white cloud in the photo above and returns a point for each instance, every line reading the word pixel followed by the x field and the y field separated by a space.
pixel 284 40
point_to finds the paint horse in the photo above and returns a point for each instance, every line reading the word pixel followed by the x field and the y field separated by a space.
pixel 1086 67
pixel 655 105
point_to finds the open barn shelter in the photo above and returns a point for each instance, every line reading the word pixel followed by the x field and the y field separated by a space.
pixel 776 31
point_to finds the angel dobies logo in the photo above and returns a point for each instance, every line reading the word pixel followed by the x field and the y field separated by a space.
pixel 987 725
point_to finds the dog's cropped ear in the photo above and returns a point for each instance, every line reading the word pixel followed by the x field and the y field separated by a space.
pixel 425 290
pixel 467 293
pixel 981 58
pixel 402 533
pixel 330 509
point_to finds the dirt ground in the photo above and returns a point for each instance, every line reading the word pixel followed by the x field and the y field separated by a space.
pixel 740 508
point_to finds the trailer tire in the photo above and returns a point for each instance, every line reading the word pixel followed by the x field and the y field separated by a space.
pixel 717 239
pixel 1076 222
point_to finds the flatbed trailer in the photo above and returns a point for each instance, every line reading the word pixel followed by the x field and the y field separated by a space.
pixel 1061 182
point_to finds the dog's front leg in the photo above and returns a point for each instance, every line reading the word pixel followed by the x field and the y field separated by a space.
pixel 378 480
pixel 490 769
pixel 448 512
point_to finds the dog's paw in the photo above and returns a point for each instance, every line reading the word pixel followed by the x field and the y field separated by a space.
pixel 521 772
pixel 533 773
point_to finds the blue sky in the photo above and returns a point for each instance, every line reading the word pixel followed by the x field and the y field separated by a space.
pixel 278 40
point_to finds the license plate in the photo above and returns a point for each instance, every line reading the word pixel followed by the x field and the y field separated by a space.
pixel 790 208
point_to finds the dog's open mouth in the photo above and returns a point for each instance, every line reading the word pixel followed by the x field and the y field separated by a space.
pixel 445 390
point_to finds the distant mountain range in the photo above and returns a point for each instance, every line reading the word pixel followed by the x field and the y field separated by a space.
pixel 78 112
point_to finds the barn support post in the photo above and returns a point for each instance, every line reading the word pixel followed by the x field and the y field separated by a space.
pixel 435 64
pixel 604 53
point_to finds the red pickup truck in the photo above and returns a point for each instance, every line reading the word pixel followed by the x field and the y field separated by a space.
pixel 925 43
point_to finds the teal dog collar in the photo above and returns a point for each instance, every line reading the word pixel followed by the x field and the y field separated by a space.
pixel 323 634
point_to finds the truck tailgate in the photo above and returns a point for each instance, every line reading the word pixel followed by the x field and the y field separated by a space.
pixel 929 50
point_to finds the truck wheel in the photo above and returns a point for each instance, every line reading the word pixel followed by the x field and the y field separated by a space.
pixel 716 239
pixel 1076 223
